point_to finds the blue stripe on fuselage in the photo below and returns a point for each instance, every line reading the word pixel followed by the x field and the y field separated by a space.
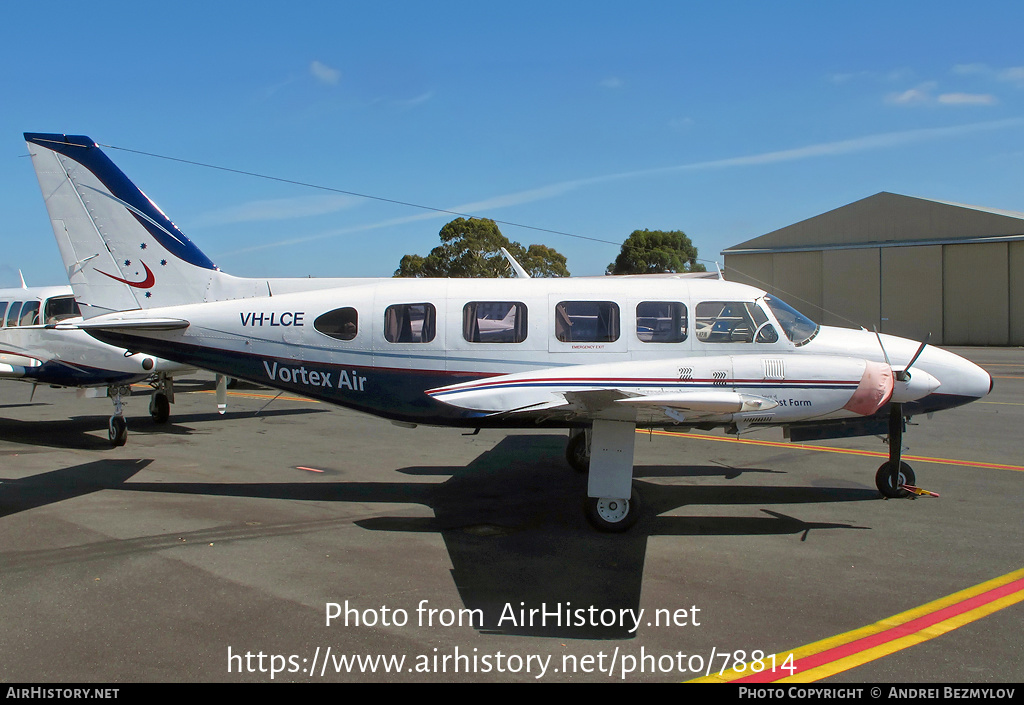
pixel 395 394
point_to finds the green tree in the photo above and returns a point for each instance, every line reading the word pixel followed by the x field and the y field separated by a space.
pixel 471 247
pixel 656 252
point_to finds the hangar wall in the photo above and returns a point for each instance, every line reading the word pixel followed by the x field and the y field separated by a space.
pixel 905 265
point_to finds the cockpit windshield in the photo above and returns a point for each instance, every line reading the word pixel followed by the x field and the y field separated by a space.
pixel 798 327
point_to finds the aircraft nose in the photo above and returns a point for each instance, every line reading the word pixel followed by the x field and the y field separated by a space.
pixel 962 378
pixel 977 382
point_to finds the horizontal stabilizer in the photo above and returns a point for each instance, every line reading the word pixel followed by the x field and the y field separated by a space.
pixel 129 324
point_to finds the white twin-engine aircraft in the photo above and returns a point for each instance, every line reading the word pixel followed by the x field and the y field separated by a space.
pixel 600 356
pixel 33 350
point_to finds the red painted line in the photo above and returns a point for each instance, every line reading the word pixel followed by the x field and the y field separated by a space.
pixel 891 634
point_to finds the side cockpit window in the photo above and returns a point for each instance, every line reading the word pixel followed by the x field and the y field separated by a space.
pixel 340 324
pixel 730 322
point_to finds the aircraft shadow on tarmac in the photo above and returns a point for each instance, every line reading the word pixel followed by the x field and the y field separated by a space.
pixel 90 432
pixel 67 483
pixel 511 521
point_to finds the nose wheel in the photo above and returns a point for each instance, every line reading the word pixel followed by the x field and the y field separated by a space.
pixel 117 431
pixel 890 488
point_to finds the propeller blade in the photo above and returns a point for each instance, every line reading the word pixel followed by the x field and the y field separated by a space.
pixel 918 353
pixel 884 353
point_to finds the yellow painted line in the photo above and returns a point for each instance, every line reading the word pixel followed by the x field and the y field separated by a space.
pixel 823 449
pixel 253 395
pixel 845 651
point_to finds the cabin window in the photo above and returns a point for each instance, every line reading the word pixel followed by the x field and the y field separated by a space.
pixel 494 322
pixel 661 321
pixel 587 321
pixel 729 321
pixel 340 324
pixel 12 314
pixel 3 310
pixel 30 314
pixel 60 308
pixel 410 323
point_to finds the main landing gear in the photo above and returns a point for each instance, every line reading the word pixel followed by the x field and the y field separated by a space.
pixel 605 452
pixel 163 397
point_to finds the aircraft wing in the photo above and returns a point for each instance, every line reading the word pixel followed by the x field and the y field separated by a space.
pixel 716 389
pixel 598 392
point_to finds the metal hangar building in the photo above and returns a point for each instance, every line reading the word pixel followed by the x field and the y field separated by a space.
pixel 909 266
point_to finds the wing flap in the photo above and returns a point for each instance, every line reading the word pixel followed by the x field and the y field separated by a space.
pixel 707 402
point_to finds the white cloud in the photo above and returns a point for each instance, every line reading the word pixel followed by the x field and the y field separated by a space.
pixel 1014 74
pixel 921 95
pixel 405 104
pixel 1010 74
pixel 924 95
pixel 972 69
pixel 278 209
pixel 613 82
pixel 324 73
pixel 967 99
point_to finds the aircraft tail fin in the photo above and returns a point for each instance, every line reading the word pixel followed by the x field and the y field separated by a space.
pixel 120 250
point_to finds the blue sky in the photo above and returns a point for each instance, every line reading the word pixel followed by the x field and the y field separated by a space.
pixel 725 120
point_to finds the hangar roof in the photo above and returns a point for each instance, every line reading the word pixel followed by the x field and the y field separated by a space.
pixel 890 220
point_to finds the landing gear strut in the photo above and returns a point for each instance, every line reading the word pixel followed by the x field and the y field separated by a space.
pixel 117 429
pixel 577 450
pixel 895 473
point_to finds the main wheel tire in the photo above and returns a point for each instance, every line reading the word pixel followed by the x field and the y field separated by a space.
pixel 117 431
pixel 577 453
pixel 613 515
pixel 159 408
pixel 883 480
